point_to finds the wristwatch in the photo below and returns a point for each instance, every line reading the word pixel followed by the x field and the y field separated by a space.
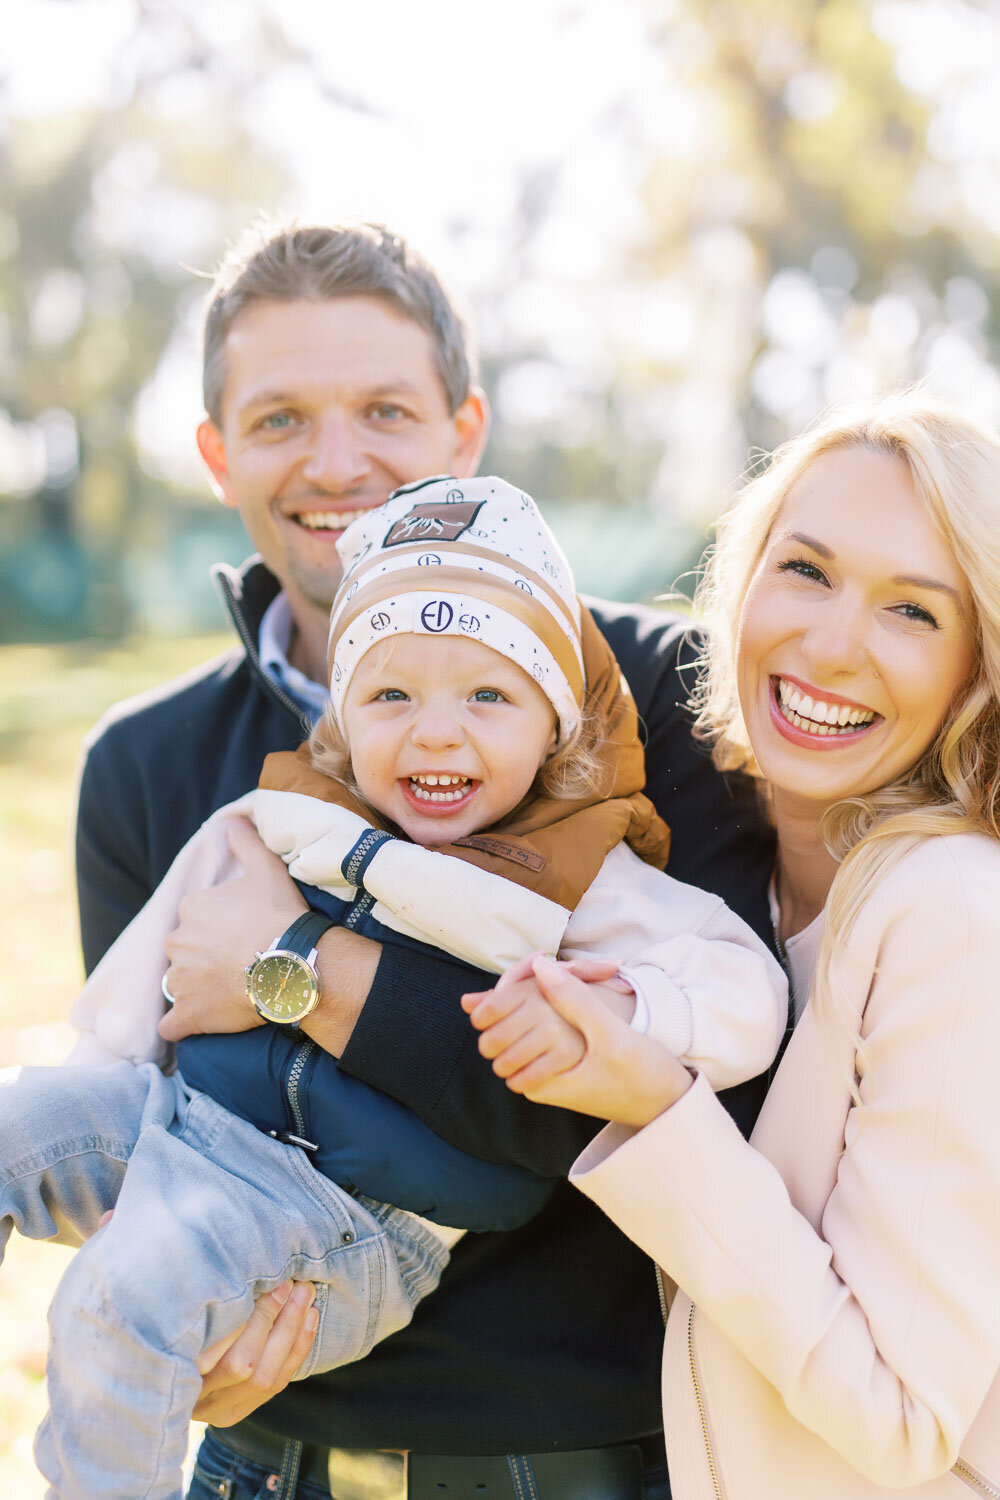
pixel 283 984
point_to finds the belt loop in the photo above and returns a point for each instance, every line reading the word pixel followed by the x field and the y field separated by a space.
pixel 288 1476
pixel 522 1475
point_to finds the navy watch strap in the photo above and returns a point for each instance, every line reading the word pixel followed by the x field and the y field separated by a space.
pixel 305 932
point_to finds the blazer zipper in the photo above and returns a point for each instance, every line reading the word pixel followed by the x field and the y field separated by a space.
pixel 962 1470
pixel 976 1481
pixel 706 1429
pixel 661 1292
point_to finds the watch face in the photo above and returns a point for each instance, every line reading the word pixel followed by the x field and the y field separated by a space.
pixel 283 987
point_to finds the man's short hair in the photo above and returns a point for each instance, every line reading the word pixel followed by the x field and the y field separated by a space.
pixel 318 262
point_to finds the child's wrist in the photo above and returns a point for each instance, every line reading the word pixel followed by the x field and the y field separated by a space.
pixel 620 999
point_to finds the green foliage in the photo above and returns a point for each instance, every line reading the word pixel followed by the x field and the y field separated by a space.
pixel 800 225
pixel 105 211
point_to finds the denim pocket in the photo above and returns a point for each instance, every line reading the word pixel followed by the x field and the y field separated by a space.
pixel 220 1474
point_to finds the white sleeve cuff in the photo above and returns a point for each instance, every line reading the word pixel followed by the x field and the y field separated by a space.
pixel 640 1016
pixel 664 1008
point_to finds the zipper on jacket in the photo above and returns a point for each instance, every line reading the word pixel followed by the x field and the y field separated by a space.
pixel 661 1292
pixel 975 1481
pixel 302 1056
pixel 251 647
pixel 706 1430
pixel 360 908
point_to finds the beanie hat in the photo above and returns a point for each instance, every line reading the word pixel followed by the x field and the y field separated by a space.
pixel 465 557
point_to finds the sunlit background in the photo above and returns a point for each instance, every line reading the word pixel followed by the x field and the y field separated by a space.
pixel 681 228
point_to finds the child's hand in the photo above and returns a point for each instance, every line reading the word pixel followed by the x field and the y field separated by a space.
pixel 623 1076
pixel 526 1039
pixel 591 970
pixel 616 1074
pixel 521 1034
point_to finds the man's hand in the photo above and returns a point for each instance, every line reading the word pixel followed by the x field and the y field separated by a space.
pixel 218 933
pixel 242 1372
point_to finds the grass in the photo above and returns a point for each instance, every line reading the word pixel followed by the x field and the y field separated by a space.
pixel 49 698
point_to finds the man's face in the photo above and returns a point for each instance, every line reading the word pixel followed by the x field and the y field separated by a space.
pixel 327 408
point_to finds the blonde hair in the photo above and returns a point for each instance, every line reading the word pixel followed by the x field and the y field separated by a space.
pixel 954 464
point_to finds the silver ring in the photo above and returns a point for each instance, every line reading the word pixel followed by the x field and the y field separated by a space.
pixel 168 997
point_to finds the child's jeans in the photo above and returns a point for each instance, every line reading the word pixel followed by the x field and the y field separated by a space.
pixel 209 1214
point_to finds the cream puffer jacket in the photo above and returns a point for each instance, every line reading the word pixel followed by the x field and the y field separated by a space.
pixel 837 1332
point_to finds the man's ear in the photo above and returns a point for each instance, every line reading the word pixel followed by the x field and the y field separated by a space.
pixel 213 450
pixel 472 426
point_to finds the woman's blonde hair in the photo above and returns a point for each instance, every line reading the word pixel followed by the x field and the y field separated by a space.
pixel 954 464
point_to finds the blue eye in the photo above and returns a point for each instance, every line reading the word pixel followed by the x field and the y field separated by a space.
pixel 487 695
pixel 803 568
pixel 277 421
pixel 911 611
pixel 387 411
pixel 391 695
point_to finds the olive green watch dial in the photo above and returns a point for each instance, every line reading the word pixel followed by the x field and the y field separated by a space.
pixel 283 987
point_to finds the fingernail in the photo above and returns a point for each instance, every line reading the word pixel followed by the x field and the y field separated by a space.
pixel 553 973
pixel 283 1292
pixel 311 1320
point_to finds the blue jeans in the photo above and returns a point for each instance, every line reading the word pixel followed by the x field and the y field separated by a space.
pixel 221 1474
pixel 209 1214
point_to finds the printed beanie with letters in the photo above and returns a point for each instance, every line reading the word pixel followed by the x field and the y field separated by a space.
pixel 462 557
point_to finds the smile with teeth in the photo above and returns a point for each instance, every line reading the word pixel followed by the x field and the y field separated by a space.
pixel 329 520
pixel 454 788
pixel 815 716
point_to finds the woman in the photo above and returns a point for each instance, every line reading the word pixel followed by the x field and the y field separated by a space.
pixel 837 1330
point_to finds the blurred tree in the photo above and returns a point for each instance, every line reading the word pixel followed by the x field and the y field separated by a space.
pixel 800 241
pixel 105 211
pixel 777 204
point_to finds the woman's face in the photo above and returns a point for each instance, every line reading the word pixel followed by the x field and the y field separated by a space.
pixel 855 633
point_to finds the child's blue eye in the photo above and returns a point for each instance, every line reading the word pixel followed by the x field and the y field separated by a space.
pixel 487 695
pixel 391 695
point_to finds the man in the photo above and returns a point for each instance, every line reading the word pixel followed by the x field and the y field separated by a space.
pixel 335 370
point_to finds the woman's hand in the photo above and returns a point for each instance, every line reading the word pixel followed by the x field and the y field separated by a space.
pixel 243 1371
pixel 525 1039
pixel 618 1075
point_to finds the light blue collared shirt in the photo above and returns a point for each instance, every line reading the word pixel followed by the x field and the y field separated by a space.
pixel 276 629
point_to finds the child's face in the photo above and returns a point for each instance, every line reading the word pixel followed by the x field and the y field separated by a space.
pixel 446 735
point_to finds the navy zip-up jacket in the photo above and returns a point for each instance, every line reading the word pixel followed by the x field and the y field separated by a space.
pixel 550 1335
pixel 364 1140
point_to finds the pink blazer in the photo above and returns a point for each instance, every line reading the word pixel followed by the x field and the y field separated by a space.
pixel 837 1332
